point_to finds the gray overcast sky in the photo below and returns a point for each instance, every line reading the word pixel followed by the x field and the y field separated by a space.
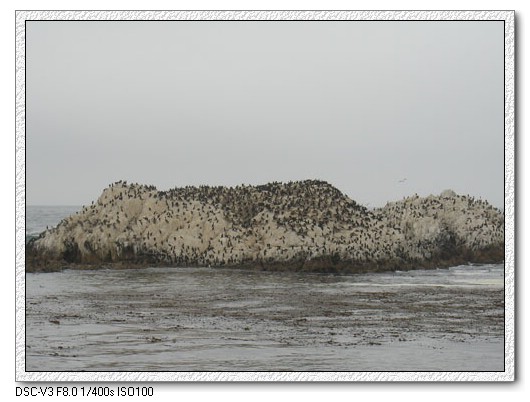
pixel 361 105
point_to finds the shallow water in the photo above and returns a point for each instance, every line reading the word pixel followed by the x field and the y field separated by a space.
pixel 202 319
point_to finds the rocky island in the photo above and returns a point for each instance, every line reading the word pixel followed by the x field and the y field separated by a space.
pixel 301 226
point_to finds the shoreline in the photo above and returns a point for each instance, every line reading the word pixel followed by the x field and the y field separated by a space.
pixel 324 265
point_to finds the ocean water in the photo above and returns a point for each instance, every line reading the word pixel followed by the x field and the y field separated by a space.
pixel 205 319
pixel 38 218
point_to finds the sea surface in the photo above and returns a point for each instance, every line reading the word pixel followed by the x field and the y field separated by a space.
pixel 206 319
pixel 39 218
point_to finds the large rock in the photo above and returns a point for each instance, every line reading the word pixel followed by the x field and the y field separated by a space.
pixel 307 225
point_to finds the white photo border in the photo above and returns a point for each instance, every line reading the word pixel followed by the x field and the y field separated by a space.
pixel 509 65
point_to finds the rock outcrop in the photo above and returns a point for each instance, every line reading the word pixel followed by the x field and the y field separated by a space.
pixel 307 225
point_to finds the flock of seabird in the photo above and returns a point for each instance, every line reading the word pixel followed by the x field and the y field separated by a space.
pixel 275 222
